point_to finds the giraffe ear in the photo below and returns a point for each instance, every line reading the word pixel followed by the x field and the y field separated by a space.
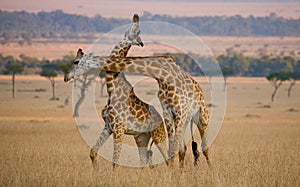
pixel 136 18
pixel 79 53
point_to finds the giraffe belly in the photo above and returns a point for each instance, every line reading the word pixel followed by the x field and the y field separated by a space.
pixel 132 132
pixel 134 126
pixel 137 130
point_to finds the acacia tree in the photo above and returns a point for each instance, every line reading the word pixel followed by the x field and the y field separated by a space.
pixel 293 77
pixel 227 71
pixel 65 69
pixel 102 76
pixel 84 83
pixel 13 67
pixel 50 71
pixel 276 79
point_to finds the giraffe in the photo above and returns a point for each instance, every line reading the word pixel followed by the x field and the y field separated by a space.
pixel 181 97
pixel 124 104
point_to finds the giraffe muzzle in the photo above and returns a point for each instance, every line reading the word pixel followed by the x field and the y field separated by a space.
pixel 67 78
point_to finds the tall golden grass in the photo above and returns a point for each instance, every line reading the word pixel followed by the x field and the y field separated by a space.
pixel 257 145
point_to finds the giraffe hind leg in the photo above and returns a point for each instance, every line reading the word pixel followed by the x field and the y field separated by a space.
pixel 171 139
pixel 181 128
pixel 202 124
pixel 118 139
pixel 203 129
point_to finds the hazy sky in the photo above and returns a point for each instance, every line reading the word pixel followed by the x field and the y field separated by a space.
pixel 125 8
pixel 229 0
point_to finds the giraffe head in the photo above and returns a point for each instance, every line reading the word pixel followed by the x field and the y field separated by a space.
pixel 77 67
pixel 132 36
pixel 79 54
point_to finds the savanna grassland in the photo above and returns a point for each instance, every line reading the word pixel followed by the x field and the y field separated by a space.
pixel 249 46
pixel 258 144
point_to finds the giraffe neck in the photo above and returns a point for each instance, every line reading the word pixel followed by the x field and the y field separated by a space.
pixel 119 51
pixel 158 67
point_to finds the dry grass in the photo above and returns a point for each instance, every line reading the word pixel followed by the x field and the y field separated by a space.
pixel 40 145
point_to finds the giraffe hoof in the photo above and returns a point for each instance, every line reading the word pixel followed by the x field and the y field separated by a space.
pixel 151 166
pixel 93 156
pixel 167 163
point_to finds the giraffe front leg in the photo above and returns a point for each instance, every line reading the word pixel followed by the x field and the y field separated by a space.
pixel 118 139
pixel 101 140
pixel 142 141
pixel 182 151
pixel 159 137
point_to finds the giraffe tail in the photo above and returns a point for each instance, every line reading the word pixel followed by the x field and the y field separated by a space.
pixel 150 152
pixel 194 147
pixel 149 155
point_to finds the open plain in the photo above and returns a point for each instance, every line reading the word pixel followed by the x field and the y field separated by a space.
pixel 248 46
pixel 258 144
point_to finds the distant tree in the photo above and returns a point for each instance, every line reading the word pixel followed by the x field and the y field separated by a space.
pixel 276 80
pixel 238 62
pixel 66 59
pixel 65 63
pixel 50 71
pixel 293 77
pixel 13 67
pixel 227 71
pixel 65 68
pixel 102 76
pixel 32 64
pixel 59 24
pixel 84 83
